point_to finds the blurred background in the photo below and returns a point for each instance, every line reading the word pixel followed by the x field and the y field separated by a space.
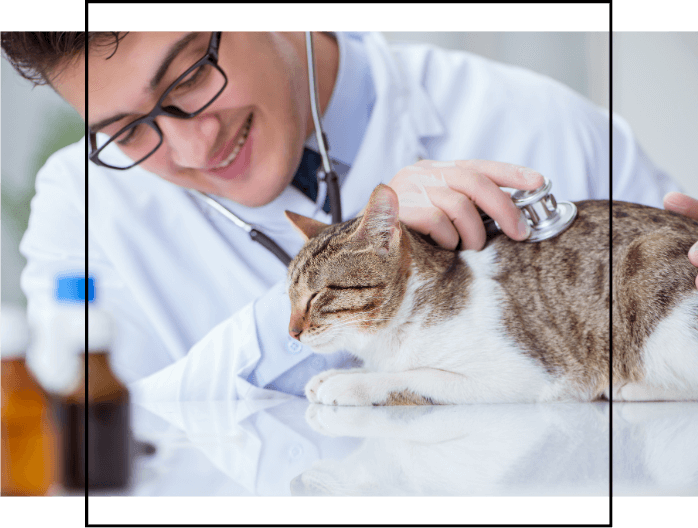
pixel 654 87
pixel 35 123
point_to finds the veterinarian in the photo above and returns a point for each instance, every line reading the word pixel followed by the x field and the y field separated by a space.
pixel 200 308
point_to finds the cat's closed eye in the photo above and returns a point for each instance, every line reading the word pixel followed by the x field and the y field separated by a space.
pixel 307 306
pixel 354 287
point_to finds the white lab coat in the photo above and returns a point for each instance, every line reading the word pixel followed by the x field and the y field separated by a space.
pixel 199 307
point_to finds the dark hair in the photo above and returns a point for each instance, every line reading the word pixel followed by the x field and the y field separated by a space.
pixel 41 57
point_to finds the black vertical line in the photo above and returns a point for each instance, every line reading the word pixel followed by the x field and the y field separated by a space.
pixel 87 274
pixel 610 263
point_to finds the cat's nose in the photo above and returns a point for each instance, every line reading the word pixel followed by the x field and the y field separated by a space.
pixel 294 332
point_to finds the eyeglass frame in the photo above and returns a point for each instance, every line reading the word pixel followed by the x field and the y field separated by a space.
pixel 211 58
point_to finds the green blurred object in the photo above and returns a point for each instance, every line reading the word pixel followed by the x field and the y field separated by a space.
pixel 60 128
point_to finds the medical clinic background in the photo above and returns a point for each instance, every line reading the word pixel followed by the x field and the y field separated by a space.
pixel 654 86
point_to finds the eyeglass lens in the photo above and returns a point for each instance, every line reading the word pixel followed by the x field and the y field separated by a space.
pixel 191 94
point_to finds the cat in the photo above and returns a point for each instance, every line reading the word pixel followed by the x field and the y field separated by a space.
pixel 514 322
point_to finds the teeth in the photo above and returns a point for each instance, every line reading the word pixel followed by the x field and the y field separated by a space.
pixel 241 142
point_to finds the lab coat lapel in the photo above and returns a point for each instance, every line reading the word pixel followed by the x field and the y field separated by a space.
pixel 401 117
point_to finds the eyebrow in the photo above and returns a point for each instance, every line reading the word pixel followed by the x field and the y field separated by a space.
pixel 175 49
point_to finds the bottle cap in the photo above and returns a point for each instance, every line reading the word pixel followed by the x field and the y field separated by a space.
pixel 14 332
pixel 75 289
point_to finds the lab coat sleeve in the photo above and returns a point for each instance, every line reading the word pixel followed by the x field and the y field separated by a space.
pixel 53 244
pixel 635 177
pixel 219 365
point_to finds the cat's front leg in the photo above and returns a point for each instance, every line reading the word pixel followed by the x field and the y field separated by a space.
pixel 312 387
pixel 425 386
pixel 361 387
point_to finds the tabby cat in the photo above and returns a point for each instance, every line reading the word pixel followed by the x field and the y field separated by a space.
pixel 514 322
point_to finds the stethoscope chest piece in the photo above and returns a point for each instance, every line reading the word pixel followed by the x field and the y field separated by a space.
pixel 546 216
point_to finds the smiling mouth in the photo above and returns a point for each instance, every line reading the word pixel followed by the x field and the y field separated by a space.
pixel 244 132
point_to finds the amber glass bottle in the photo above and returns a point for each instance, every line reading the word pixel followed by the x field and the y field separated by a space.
pixel 108 408
pixel 108 455
pixel 29 437
pixel 102 413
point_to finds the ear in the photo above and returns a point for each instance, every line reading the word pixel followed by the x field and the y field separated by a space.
pixel 307 227
pixel 380 225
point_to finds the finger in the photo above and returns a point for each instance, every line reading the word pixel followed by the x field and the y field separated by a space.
pixel 463 215
pixel 487 195
pixel 433 222
pixel 505 174
pixel 682 204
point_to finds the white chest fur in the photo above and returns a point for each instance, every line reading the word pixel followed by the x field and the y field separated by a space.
pixel 472 344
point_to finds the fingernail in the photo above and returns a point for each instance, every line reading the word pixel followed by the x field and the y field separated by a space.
pixel 524 227
pixel 694 251
pixel 675 202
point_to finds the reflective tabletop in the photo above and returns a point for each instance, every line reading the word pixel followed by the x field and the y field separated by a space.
pixel 291 447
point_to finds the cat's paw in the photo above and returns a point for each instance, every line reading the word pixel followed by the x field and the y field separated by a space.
pixel 338 421
pixel 312 387
pixel 344 389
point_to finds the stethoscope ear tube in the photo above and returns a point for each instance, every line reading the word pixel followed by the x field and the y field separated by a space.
pixel 332 182
pixel 268 243
pixel 325 173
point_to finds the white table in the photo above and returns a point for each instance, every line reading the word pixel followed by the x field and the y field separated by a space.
pixel 290 447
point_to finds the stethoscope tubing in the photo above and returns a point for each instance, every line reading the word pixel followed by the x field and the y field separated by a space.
pixel 255 234
pixel 325 173
pixel 547 221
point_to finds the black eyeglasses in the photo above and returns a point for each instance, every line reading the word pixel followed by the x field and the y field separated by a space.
pixel 189 95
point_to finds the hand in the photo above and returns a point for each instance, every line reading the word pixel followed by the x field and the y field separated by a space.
pixel 687 206
pixel 438 198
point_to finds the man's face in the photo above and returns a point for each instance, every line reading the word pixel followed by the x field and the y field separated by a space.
pixel 267 77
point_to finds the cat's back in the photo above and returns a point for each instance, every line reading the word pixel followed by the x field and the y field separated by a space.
pixel 558 291
pixel 650 257
pixel 556 297
pixel 569 257
pixel 633 221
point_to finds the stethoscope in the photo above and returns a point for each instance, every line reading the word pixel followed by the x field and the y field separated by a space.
pixel 325 173
pixel 547 217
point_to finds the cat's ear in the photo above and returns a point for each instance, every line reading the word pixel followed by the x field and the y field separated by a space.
pixel 380 225
pixel 307 227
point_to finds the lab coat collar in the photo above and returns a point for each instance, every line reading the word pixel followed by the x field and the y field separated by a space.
pixel 402 117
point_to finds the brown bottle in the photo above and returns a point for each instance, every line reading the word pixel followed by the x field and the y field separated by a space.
pixel 108 435
pixel 71 412
pixel 103 413
pixel 108 453
pixel 29 438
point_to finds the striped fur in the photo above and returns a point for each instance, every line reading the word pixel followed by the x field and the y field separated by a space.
pixel 514 322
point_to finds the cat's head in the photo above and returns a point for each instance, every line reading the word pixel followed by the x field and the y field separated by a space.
pixel 349 279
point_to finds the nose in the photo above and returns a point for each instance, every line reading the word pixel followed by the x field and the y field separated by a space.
pixel 191 141
pixel 294 332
